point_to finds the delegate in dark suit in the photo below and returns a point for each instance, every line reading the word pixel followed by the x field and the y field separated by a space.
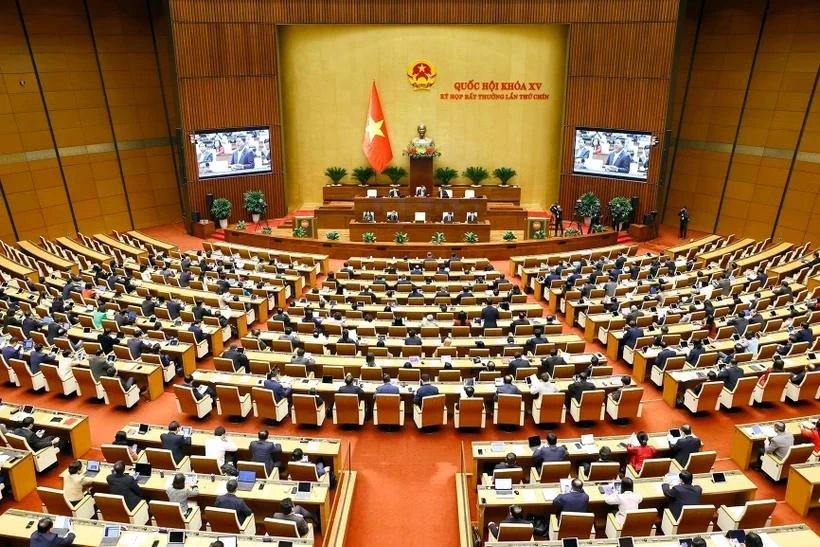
pixel 426 390
pixel 244 158
pixel 490 316
pixel 137 346
pixel 575 389
pixel 35 442
pixel 125 486
pixel 549 454
pixel 230 501
pixel 573 502
pixel 239 359
pixel 40 539
pixel 631 336
pixel 685 446
pixel 265 452
pixel 680 495
pixel 620 160
pixel 177 444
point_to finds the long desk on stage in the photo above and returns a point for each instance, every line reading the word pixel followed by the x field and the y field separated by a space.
pixel 406 207
pixel 420 231
pixel 16 527
pixel 784 536
pixel 54 423
pixel 492 193
pixel 746 443
pixel 56 262
pixel 537 498
pixel 264 501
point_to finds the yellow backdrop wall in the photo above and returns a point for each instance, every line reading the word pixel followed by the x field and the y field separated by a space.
pixel 327 72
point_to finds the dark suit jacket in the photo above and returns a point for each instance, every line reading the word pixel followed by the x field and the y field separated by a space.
pixel 631 336
pixel 35 442
pixel 574 502
pixel 147 307
pixel 239 359
pixel 424 391
pixel 575 389
pixel 683 448
pixel 682 494
pixel 106 343
pixel 549 454
pixel 265 452
pixel 279 391
pixel 53 330
pixel 730 376
pixel 660 359
pixel 126 487
pixel 490 316
pixel 176 443
pixel 10 352
pixel 301 525
pixel 230 501
pixel 804 335
pixel 389 389
pixel 173 308
pixel 137 346
pixel 622 162
pixel 39 539
pixel 37 358
pixel 245 157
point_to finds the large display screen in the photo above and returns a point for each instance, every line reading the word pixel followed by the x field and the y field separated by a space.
pixel 227 152
pixel 612 153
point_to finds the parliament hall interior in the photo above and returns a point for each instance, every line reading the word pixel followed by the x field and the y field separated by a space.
pixel 442 273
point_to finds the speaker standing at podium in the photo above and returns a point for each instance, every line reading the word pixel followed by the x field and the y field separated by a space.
pixel 443 193
pixel 394 193
pixel 392 216
pixel 421 192
pixel 448 218
pixel 683 215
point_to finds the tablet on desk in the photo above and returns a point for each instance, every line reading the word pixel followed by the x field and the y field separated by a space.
pixel 718 478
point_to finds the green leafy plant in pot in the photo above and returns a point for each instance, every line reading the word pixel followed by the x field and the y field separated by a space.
pixel 363 174
pixel 299 232
pixel 241 225
pixel 620 208
pixel 395 174
pixel 471 237
pixel 438 238
pixel 369 237
pixel 476 174
pixel 588 206
pixel 221 210
pixel 267 230
pixel 445 175
pixel 254 202
pixel 335 174
pixel 401 238
pixel 504 174
pixel 332 236
pixel 509 236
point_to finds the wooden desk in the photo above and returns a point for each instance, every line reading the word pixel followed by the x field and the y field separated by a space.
pixel 186 353
pixel 17 270
pixel 406 207
pixel 746 444
pixel 784 536
pixel 803 488
pixel 247 251
pixel 147 376
pixel 156 243
pixel 684 248
pixel 264 502
pixel 55 261
pixel 528 261
pixel 203 230
pixel 417 312
pixel 813 283
pixel 737 490
pixel 15 529
pixel 348 192
pixel 90 254
pixel 771 252
pixel 420 231
pixel 129 250
pixel 315 448
pixel 19 468
pixel 718 254
pixel 54 423
pixel 790 269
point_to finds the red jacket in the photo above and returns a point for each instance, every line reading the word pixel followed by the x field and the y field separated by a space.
pixel 812 435
pixel 638 454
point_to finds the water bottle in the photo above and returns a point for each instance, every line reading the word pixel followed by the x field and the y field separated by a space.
pixel 161 474
pixel 212 477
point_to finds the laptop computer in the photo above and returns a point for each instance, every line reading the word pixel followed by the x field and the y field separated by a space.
pixel 503 487
pixel 534 441
pixel 142 472
pixel 176 538
pixel 143 429
pixel 92 468
pixel 246 480
pixel 111 536
pixel 303 490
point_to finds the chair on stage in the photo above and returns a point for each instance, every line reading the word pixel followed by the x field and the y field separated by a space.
pixel 571 525
pixel 388 409
pixel 304 410
pixel 470 413
pixel 348 409
pixel 431 413
pixel 549 408
pixel 509 410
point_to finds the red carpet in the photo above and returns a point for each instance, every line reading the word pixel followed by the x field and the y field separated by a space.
pixel 405 492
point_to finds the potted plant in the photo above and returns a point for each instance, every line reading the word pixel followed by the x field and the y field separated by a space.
pixel 471 237
pixel 363 174
pixel 504 174
pixel 395 174
pixel 267 230
pixel 572 232
pixel 332 236
pixel 254 202
pixel 539 234
pixel 335 174
pixel 445 175
pixel 620 208
pixel 221 210
pixel 476 174
pixel 369 237
pixel 438 238
pixel 509 236
pixel 596 229
pixel 588 206
pixel 299 232
pixel 241 225
pixel 401 237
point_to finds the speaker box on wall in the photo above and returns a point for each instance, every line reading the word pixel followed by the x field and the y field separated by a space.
pixel 209 202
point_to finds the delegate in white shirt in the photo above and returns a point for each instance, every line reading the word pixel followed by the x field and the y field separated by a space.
pixel 215 447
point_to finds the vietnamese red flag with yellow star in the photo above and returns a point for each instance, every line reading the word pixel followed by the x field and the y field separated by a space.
pixel 376 142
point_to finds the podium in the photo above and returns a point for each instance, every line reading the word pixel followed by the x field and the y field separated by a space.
pixel 421 174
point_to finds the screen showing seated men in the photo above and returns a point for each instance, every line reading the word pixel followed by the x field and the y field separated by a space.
pixel 610 153
pixel 226 152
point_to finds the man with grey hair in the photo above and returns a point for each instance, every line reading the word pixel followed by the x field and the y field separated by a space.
pixel 778 446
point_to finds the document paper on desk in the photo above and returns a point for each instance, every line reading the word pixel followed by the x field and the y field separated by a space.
pixel 497 447
pixel 549 493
